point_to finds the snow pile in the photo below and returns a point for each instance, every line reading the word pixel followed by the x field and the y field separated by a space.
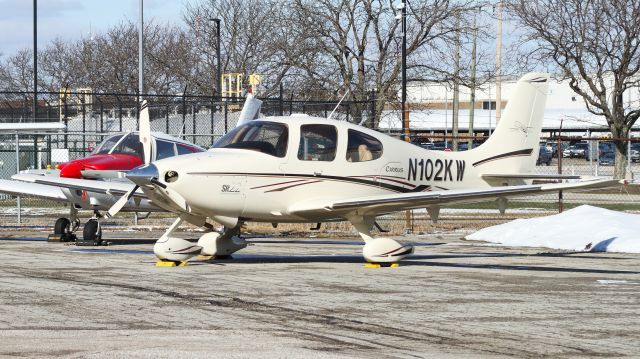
pixel 582 228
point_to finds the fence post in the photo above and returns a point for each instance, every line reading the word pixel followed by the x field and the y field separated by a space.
pixel 560 196
pixel 18 204
pixel 184 113
pixel 226 117
pixel 281 99
pixel 84 125
pixel 374 115
pixel 212 119
pixel 291 104
pixel 138 112
pixel 50 160
pixel 193 117
pixel 101 114
pixel 119 112
pixel 348 110
pixel 66 122
pixel 166 118
pixel 36 163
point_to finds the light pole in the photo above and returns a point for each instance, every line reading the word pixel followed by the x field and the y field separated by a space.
pixel 35 60
pixel 141 52
pixel 405 113
pixel 217 81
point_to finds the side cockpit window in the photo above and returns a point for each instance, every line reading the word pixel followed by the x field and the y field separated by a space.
pixel 164 149
pixel 317 143
pixel 362 147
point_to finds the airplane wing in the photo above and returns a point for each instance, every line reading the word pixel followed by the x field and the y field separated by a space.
pixel 115 188
pixel 17 188
pixel 374 205
pixel 534 176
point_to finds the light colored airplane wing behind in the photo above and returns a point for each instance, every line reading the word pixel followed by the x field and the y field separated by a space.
pixel 16 188
pixel 115 188
pixel 374 205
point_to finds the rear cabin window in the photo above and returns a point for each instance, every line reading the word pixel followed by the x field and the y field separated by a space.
pixel 164 149
pixel 317 143
pixel 266 137
pixel 362 147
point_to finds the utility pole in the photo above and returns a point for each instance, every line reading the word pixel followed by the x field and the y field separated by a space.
pixel 406 134
pixel 217 82
pixel 141 52
pixel 498 66
pixel 405 113
pixel 473 84
pixel 456 87
pixel 35 60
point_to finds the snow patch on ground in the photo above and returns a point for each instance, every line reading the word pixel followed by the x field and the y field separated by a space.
pixel 584 228
pixel 615 282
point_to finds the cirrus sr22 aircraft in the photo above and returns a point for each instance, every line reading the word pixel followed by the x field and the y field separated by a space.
pixel 306 169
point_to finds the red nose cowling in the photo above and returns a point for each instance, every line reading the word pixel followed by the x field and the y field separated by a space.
pixel 123 162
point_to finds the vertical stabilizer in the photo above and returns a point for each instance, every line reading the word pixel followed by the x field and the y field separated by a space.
pixel 513 146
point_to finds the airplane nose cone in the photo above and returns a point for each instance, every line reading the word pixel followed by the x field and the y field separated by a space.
pixel 143 175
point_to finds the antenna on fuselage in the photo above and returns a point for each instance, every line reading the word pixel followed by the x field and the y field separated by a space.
pixel 339 102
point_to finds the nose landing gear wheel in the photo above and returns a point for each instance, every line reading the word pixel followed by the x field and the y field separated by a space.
pixel 92 233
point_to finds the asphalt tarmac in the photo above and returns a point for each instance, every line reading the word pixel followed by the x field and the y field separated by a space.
pixel 296 297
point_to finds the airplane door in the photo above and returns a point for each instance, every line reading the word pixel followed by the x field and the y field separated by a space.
pixel 315 149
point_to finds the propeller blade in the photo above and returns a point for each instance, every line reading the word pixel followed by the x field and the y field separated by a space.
pixel 250 110
pixel 145 131
pixel 120 203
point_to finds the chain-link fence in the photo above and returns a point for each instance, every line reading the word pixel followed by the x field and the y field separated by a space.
pixel 201 120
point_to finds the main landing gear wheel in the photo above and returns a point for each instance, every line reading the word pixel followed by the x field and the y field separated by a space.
pixel 62 230
pixel 61 226
pixel 92 233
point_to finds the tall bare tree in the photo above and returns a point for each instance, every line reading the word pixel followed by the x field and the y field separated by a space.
pixel 256 37
pixel 594 44
pixel 355 44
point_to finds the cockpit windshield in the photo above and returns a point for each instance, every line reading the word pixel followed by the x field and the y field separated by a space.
pixel 107 145
pixel 129 145
pixel 266 137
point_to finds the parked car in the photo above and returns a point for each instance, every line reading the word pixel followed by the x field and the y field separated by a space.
pixel 577 150
pixel 607 159
pixel 635 152
pixel 423 143
pixel 463 146
pixel 544 156
pixel 439 146
pixel 554 147
pixel 602 148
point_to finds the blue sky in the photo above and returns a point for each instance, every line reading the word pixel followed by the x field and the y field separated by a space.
pixel 72 19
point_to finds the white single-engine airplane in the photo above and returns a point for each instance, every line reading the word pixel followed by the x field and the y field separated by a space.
pixel 306 169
